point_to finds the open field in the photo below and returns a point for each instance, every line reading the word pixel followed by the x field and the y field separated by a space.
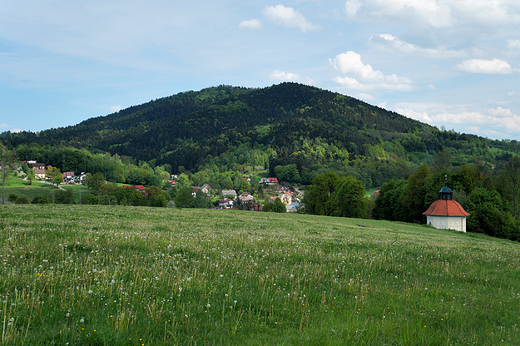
pixel 20 187
pixel 101 275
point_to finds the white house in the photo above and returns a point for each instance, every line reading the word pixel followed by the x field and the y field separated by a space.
pixel 225 203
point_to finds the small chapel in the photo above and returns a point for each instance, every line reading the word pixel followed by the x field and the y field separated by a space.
pixel 446 213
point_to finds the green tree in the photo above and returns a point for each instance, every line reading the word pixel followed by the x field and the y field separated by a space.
pixel 95 182
pixel 158 201
pixel 31 176
pixel 183 180
pixel 486 214
pixel 202 200
pixel 389 204
pixel 22 200
pixel 12 197
pixel 278 206
pixel 351 198
pixel 65 197
pixel 414 195
pixel 54 176
pixel 184 197
pixel 39 200
pixel 320 198
pixel 512 172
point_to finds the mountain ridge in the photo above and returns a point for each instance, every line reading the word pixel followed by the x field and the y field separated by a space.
pixel 284 124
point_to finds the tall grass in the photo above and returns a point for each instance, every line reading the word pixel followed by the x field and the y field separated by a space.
pixel 100 275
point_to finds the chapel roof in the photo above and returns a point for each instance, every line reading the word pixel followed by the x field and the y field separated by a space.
pixel 446 208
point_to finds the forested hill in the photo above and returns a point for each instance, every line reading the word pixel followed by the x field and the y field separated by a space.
pixel 281 125
pixel 221 116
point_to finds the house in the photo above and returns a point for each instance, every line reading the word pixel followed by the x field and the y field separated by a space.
pixel 139 188
pixel 446 213
pixel 225 193
pixel 205 188
pixel 293 207
pixel 271 181
pixel 225 203
pixel 39 173
pixel 245 197
pixel 286 198
pixel 68 177
pixel 195 189
pixel 34 165
pixel 268 181
pixel 174 177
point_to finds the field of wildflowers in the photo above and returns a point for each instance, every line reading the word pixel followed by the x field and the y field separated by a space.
pixel 110 275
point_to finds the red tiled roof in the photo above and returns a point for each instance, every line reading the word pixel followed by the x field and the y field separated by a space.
pixel 446 208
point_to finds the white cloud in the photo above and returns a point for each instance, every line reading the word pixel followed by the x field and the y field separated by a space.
pixel 513 44
pixel 3 126
pixel 511 93
pixel 391 43
pixel 364 77
pixel 382 105
pixel 432 87
pixel 365 97
pixel 352 7
pixel 495 66
pixel 253 24
pixel 494 122
pixel 444 13
pixel 435 13
pixel 289 17
pixel 282 76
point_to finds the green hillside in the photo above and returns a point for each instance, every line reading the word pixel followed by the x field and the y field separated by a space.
pixel 231 128
pixel 153 276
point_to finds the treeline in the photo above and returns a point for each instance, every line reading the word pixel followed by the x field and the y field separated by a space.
pixel 489 195
pixel 491 199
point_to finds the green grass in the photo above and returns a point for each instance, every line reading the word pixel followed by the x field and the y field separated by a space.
pixel 100 275
pixel 21 188
pixel 371 191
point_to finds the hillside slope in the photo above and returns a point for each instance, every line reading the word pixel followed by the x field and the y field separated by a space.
pixel 160 129
pixel 87 274
pixel 287 125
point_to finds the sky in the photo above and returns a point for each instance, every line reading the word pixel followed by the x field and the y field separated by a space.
pixel 454 64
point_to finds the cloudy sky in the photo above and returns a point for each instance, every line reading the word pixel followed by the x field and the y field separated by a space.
pixel 451 63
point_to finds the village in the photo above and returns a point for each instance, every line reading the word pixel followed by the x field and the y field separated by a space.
pixel 272 189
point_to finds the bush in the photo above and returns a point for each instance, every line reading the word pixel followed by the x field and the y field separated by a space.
pixel 278 206
pixel 22 200
pixel 12 197
pixel 39 200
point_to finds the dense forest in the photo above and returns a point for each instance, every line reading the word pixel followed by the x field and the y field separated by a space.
pixel 278 128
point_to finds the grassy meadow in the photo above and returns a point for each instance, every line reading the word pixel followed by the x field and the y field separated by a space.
pixel 112 275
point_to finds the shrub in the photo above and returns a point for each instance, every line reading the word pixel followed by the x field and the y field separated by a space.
pixel 22 200
pixel 39 200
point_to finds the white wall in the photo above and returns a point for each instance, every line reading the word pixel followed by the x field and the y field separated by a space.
pixel 444 222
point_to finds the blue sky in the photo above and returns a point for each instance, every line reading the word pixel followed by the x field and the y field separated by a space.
pixel 451 63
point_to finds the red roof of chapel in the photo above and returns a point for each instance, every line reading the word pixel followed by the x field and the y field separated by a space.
pixel 446 208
